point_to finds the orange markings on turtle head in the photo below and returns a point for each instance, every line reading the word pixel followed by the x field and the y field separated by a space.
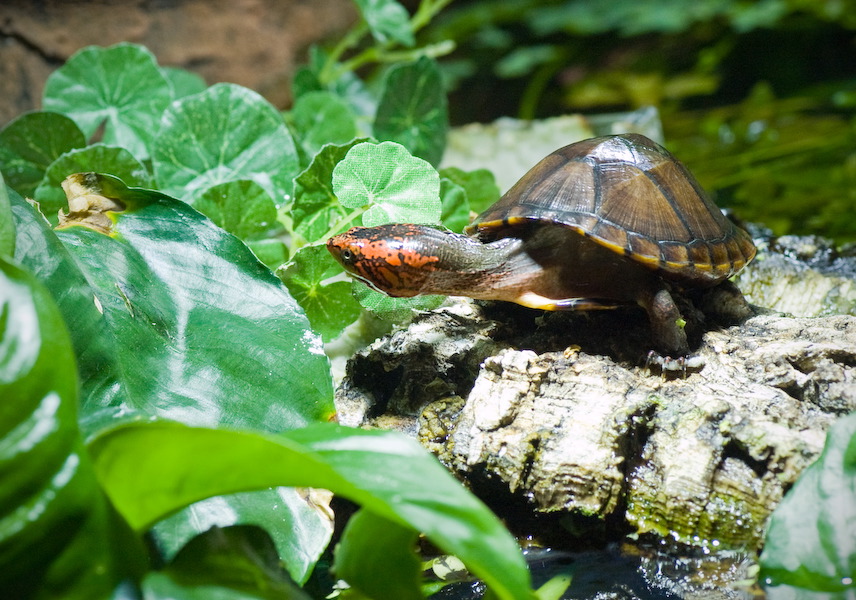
pixel 392 258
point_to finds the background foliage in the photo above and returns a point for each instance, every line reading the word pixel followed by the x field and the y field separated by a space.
pixel 757 98
pixel 155 362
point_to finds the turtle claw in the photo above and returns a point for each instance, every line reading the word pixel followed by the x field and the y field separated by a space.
pixel 667 364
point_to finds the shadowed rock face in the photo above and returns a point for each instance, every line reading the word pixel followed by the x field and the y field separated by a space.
pixel 694 459
pixel 255 43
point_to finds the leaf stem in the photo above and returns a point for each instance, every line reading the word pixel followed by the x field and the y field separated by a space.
pixel 342 223
pixel 329 73
pixel 427 10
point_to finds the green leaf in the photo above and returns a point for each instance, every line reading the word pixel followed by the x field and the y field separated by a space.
pixel 272 251
pixel 390 475
pixel 480 185
pixel 396 186
pixel 298 522
pixel 316 210
pixel 228 343
pixel 242 208
pixel 184 83
pixel 456 209
pixel 395 310
pixel 98 157
pixel 348 86
pixel 371 545
pixel 38 248
pixel 226 133
pixel 412 110
pixel 322 118
pixel 7 225
pixel 330 307
pixel 387 20
pixel 811 540
pixel 121 88
pixel 30 143
pixel 235 563
pixel 56 530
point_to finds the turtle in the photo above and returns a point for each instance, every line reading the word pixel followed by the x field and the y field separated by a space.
pixel 598 224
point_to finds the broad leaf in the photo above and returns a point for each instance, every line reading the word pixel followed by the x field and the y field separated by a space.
pixel 322 118
pixel 456 208
pixel 234 563
pixel 387 20
pixel 39 249
pixel 387 473
pixel 30 143
pixel 811 541
pixel 57 533
pixel 7 225
pixel 184 83
pixel 396 187
pixel 316 210
pixel 97 157
pixel 242 208
pixel 412 110
pixel 330 306
pixel 226 133
pixel 395 310
pixel 120 88
pixel 371 545
pixel 229 345
pixel 479 184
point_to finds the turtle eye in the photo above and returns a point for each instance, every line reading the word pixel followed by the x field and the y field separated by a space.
pixel 347 255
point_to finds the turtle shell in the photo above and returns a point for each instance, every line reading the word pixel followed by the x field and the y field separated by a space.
pixel 632 196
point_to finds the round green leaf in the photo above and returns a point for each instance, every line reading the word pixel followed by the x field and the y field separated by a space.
pixel 330 306
pixel 243 208
pixel 98 157
pixel 120 87
pixel 226 133
pixel 322 118
pixel 30 143
pixel 184 83
pixel 412 110
pixel 397 187
pixel 316 211
pixel 387 20
pixel 396 310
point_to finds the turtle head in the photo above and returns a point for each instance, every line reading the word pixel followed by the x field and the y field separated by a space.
pixel 396 259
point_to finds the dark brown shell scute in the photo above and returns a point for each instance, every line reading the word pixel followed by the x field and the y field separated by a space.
pixel 631 195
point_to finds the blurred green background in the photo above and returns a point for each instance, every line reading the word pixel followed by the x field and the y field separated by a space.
pixel 757 98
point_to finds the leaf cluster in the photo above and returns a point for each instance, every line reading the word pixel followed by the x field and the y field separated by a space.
pixel 159 381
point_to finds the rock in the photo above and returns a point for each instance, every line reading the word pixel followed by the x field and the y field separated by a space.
pixel 256 43
pixel 701 460
pixel 805 276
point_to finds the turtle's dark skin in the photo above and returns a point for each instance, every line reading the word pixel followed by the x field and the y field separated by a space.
pixel 598 224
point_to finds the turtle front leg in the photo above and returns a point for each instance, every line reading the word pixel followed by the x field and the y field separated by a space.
pixel 667 331
pixel 667 328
